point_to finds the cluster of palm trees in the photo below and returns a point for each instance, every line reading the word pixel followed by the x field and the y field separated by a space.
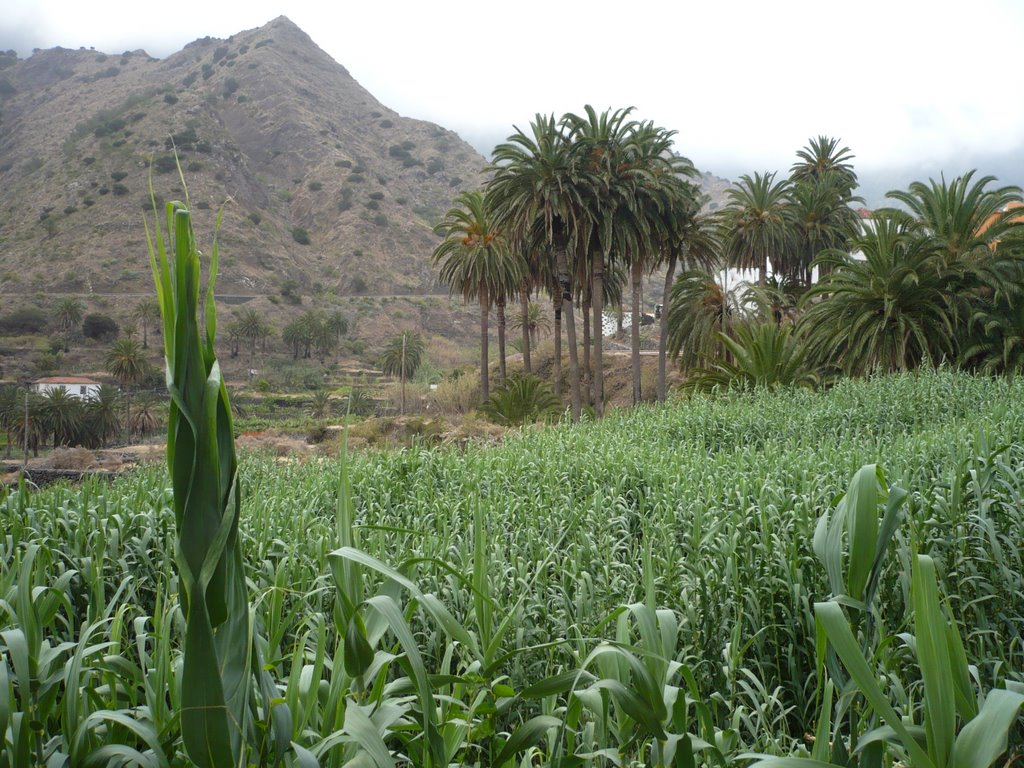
pixel 585 206
pixel 936 279
pixel 61 419
pixel 66 420
pixel 315 332
pixel 578 207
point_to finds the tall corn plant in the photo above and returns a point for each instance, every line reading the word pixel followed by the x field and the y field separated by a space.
pixel 204 473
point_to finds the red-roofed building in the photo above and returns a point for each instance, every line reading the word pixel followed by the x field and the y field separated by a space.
pixel 76 386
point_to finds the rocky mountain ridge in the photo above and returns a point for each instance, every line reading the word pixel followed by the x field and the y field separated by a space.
pixel 319 182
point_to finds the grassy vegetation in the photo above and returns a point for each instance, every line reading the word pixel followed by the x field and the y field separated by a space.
pixel 537 600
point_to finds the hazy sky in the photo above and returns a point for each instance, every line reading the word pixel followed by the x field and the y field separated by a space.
pixel 903 83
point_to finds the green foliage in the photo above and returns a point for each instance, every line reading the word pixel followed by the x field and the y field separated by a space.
pixel 764 354
pixel 643 587
pixel 403 355
pixel 99 327
pixel 164 164
pixel 126 362
pixel 523 399
pixel 216 676
pixel 291 291
pixel 300 236
pixel 23 320
pixel 888 311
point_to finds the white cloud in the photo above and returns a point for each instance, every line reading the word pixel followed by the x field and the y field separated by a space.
pixel 745 84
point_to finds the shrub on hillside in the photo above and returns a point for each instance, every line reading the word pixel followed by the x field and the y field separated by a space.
pixel 300 236
pixel 23 320
pixel 100 327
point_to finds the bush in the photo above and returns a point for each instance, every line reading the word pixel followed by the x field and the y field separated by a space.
pixel 119 190
pixel 230 86
pixel 23 320
pixel 291 292
pixel 119 175
pixel 458 395
pixel 524 399
pixel 300 236
pixel 165 164
pixel 315 186
pixel 170 98
pixel 358 284
pixel 100 327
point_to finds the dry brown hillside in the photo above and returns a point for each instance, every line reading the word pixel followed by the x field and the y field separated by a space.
pixel 264 120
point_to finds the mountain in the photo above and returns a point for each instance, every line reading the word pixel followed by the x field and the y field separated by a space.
pixel 319 182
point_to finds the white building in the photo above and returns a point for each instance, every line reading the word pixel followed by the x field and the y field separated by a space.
pixel 76 386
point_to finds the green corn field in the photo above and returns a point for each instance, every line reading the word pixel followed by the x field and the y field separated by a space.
pixel 797 579
pixel 652 589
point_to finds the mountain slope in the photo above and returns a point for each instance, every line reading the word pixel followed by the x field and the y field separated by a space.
pixel 264 120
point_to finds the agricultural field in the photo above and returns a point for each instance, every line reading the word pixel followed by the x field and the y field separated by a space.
pixel 676 585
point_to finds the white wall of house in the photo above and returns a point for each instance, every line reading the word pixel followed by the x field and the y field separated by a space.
pixel 81 391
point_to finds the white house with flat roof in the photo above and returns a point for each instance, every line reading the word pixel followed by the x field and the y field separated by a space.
pixel 75 386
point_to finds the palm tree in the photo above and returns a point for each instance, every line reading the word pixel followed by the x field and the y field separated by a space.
pixel 761 354
pixel 997 341
pixel 11 406
pixel 755 227
pixel 402 356
pixel 824 157
pixel 476 262
pixel 889 311
pixel 821 219
pixel 536 203
pixel 146 311
pixel 127 363
pixel 61 414
pixel 102 416
pixel 690 238
pixel 68 315
pixel 320 405
pixel 699 309
pixel 962 220
pixel 254 328
pixel 29 419
pixel 605 177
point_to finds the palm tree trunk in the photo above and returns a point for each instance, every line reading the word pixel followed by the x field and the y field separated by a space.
pixel 402 369
pixel 565 284
pixel 637 276
pixel 663 330
pixel 588 380
pixel 524 301
pixel 501 342
pixel 619 321
pixel 557 370
pixel 485 306
pixel 597 292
